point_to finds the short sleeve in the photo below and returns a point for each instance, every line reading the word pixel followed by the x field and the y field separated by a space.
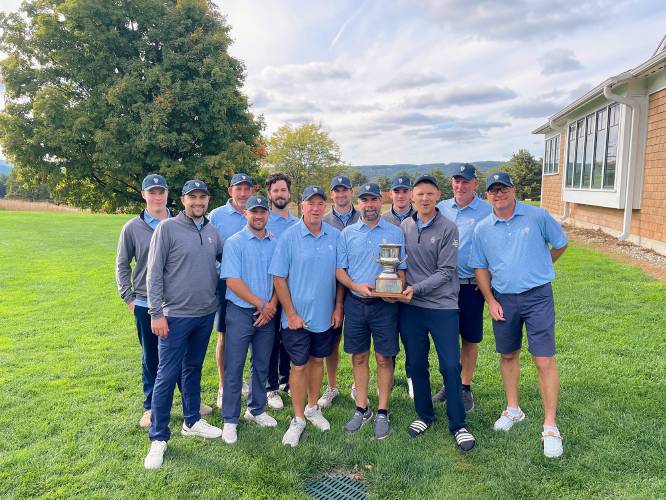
pixel 342 253
pixel 232 261
pixel 281 258
pixel 477 257
pixel 553 232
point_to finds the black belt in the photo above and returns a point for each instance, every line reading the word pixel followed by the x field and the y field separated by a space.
pixel 365 300
pixel 467 281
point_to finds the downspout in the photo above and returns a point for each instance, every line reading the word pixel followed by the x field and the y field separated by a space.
pixel 635 105
pixel 565 215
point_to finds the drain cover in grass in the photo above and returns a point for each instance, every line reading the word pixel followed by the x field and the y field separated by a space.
pixel 337 487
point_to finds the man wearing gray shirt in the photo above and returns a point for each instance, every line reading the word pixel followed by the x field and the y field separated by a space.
pixel 431 244
pixel 182 299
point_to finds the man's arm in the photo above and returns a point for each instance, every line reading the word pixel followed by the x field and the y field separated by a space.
pixel 338 310
pixel 282 290
pixel 124 256
pixel 157 256
pixel 556 253
pixel 345 281
pixel 483 282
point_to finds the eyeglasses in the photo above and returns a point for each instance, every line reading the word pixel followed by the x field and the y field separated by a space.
pixel 497 190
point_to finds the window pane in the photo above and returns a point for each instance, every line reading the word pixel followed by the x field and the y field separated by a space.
pixel 589 150
pixel 546 158
pixel 557 154
pixel 571 154
pixel 598 168
pixel 580 148
pixel 611 149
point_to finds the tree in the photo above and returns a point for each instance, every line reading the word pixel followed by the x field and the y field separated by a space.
pixel 384 182
pixel 22 188
pixel 99 94
pixel 3 185
pixel 357 177
pixel 525 171
pixel 443 181
pixel 307 154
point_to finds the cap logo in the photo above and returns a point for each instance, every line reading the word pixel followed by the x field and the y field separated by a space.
pixel 399 179
pixel 314 189
pixel 155 180
pixel 367 187
pixel 243 177
pixel 496 177
pixel 197 184
pixel 462 169
pixel 259 200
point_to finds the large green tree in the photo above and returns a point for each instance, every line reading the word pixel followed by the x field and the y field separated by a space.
pixel 100 93
pixel 307 154
pixel 525 170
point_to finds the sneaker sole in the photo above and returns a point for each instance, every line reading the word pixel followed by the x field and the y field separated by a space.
pixel 195 434
pixel 360 426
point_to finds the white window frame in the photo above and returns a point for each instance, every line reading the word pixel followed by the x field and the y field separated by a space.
pixel 551 163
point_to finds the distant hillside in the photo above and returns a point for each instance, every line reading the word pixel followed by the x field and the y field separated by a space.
pixel 4 167
pixel 374 171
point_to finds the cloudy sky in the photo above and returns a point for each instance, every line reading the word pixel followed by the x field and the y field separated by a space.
pixel 426 81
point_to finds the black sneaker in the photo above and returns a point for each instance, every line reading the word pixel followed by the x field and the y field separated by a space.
pixel 440 397
pixel 468 400
pixel 464 440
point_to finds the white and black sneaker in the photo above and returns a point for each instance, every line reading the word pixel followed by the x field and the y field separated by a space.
pixel 464 440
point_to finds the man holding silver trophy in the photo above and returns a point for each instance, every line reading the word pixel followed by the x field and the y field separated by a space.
pixel 361 248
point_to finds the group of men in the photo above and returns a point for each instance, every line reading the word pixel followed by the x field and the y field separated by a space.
pixel 285 287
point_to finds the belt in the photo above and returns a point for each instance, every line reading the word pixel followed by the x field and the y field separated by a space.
pixel 467 281
pixel 365 300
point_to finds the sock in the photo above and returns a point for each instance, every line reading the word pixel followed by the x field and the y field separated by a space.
pixel 300 420
pixel 382 411
pixel 467 387
pixel 307 407
pixel 550 428
pixel 514 412
pixel 362 410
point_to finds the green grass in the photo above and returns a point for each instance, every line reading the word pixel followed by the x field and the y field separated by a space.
pixel 70 394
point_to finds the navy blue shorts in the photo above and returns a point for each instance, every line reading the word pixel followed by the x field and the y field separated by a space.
pixel 221 315
pixel 301 344
pixel 470 303
pixel 378 320
pixel 535 308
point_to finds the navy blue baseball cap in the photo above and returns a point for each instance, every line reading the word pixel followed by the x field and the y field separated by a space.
pixel 311 191
pixel 370 189
pixel 240 179
pixel 499 178
pixel 341 180
pixel 194 185
pixel 426 178
pixel 467 171
pixel 257 201
pixel 401 182
pixel 154 181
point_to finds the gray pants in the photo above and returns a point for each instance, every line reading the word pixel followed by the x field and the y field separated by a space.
pixel 239 336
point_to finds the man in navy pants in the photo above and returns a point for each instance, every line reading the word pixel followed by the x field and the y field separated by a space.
pixel 431 242
pixel 182 299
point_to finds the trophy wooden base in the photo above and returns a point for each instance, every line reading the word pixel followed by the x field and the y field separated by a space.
pixel 387 295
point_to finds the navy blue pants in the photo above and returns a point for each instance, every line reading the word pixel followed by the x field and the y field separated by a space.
pixel 239 336
pixel 280 365
pixel 442 324
pixel 183 350
pixel 149 354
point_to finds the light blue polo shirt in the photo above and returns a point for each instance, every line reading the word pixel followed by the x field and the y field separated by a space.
pixel 247 257
pixel 421 225
pixel 308 263
pixel 465 218
pixel 344 218
pixel 358 249
pixel 516 251
pixel 227 220
pixel 153 222
pixel 278 224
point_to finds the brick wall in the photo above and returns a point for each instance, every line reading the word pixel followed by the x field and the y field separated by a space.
pixel 551 189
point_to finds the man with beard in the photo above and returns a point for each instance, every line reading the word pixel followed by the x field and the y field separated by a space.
pixel 303 268
pixel 182 285
pixel 280 218
pixel 368 317
pixel 251 307
pixel 342 214
pixel 228 220
pixel 431 242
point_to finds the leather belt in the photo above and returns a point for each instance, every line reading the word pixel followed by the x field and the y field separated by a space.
pixel 467 281
pixel 365 300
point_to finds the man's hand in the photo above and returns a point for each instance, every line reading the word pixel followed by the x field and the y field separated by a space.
pixel 407 294
pixel 338 316
pixel 270 308
pixel 295 322
pixel 496 311
pixel 363 289
pixel 131 305
pixel 160 327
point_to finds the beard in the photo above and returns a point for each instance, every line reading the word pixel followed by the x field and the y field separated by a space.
pixel 280 203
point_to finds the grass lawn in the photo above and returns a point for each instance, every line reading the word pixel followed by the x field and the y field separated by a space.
pixel 71 398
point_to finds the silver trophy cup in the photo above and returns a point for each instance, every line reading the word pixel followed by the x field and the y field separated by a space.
pixel 389 258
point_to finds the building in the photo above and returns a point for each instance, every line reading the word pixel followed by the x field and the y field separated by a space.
pixel 604 163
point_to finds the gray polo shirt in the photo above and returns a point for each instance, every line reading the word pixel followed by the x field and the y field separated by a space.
pixel 337 222
pixel 431 262
pixel 182 273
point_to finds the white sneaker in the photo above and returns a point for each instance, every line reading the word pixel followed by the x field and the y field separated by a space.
pixel 155 456
pixel 202 429
pixel 327 398
pixel 218 401
pixel 144 423
pixel 293 434
pixel 410 388
pixel 313 414
pixel 262 420
pixel 552 444
pixel 229 433
pixel 506 420
pixel 274 400
pixel 245 390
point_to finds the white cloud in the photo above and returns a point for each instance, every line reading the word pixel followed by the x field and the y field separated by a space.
pixel 559 61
